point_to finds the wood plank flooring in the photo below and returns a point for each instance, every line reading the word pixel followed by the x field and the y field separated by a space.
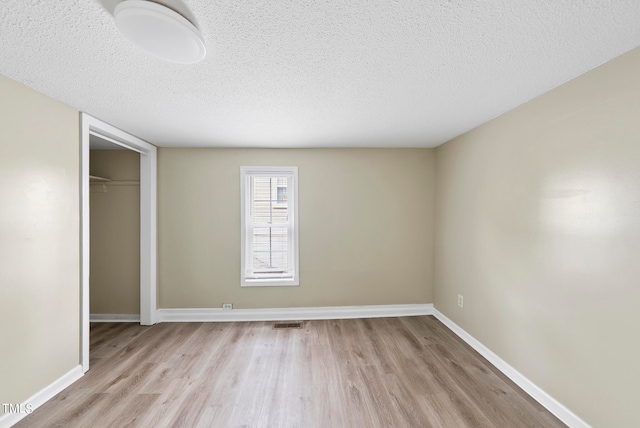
pixel 385 372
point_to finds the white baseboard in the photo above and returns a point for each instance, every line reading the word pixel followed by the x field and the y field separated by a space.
pixel 41 397
pixel 292 314
pixel 546 400
pixel 114 318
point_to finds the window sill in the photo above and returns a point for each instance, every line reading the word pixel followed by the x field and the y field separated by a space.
pixel 276 282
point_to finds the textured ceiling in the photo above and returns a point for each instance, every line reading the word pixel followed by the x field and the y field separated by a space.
pixel 312 73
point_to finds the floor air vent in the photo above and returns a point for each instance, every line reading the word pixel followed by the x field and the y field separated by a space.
pixel 281 325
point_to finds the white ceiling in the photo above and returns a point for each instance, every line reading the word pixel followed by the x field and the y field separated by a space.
pixel 315 73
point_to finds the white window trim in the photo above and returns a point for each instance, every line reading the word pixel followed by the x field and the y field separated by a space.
pixel 267 170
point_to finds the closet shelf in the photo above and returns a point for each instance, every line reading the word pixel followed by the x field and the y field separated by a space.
pixel 96 179
pixel 100 184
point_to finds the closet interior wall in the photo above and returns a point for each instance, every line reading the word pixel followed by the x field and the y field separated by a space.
pixel 115 232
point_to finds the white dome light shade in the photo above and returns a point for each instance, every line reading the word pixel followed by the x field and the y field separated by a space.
pixel 160 31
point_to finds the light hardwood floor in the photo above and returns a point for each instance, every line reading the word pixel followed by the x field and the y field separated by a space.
pixel 386 372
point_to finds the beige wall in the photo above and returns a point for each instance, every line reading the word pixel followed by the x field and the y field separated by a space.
pixel 366 224
pixel 538 226
pixel 39 241
pixel 115 233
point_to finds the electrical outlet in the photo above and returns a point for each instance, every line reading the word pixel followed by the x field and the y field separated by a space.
pixel 227 306
pixel 461 300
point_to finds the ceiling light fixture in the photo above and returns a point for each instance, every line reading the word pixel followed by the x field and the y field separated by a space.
pixel 160 31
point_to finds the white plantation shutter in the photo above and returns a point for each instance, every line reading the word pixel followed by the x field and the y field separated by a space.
pixel 269 226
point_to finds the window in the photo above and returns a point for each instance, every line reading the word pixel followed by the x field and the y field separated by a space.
pixel 269 229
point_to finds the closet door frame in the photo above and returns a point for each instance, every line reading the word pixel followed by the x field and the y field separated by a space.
pixel 148 219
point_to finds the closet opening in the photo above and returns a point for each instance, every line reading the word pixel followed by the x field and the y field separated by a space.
pixel 114 223
pixel 96 176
